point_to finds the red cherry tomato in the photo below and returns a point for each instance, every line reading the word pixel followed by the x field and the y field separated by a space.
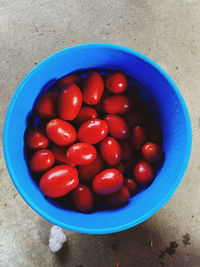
pixel 61 132
pixel 133 93
pixel 138 137
pixel 81 153
pixel 99 105
pixel 93 87
pixel 152 152
pixel 85 114
pixel 69 102
pixel 134 118
pixel 127 150
pixel 83 198
pixel 154 133
pixel 143 172
pixel 42 160
pixel 117 127
pixel 117 104
pixel 59 181
pixel 116 82
pixel 60 154
pixel 36 139
pixel 131 185
pixel 71 78
pixel 120 167
pixel 47 104
pixel 119 198
pixel 92 131
pixel 88 172
pixel 111 151
pixel 107 182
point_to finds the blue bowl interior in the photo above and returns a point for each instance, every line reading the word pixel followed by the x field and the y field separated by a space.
pixel 165 100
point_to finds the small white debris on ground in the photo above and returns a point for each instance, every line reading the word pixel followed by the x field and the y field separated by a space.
pixel 57 238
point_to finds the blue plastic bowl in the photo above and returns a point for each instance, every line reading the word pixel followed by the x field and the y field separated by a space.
pixel 173 118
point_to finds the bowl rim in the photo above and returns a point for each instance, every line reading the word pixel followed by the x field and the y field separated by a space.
pixel 159 204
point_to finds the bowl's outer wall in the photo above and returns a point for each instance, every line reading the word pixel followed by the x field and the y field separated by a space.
pixel 174 119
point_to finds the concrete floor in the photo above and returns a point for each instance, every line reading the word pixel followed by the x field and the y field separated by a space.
pixel 168 32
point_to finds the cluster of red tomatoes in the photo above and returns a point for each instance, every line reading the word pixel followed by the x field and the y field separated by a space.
pixel 97 139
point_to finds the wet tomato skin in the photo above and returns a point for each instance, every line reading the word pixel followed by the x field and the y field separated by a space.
pixel 152 152
pixel 111 151
pixel 143 172
pixel 116 82
pixel 116 104
pixel 85 114
pixel 107 182
pixel 71 78
pixel 69 102
pixel 83 198
pixel 89 171
pixel 92 131
pixel 93 87
pixel 37 138
pixel 61 132
pixel 59 181
pixel 46 106
pixel 119 198
pixel 131 185
pixel 117 127
pixel 81 153
pixel 42 160
pixel 60 154
pixel 139 137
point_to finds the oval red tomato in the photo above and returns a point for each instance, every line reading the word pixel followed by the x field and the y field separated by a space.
pixel 46 106
pixel 131 185
pixel 61 132
pixel 85 114
pixel 116 82
pixel 152 152
pixel 42 160
pixel 69 102
pixel 93 87
pixel 117 104
pixel 92 131
pixel 59 181
pixel 60 154
pixel 107 182
pixel 117 127
pixel 81 153
pixel 71 78
pixel 111 151
pixel 89 171
pixel 119 198
pixel 83 198
pixel 139 137
pixel 37 138
pixel 143 172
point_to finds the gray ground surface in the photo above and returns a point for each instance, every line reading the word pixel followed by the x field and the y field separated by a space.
pixel 168 32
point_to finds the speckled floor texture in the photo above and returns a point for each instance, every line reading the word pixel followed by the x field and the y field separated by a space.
pixel 166 31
